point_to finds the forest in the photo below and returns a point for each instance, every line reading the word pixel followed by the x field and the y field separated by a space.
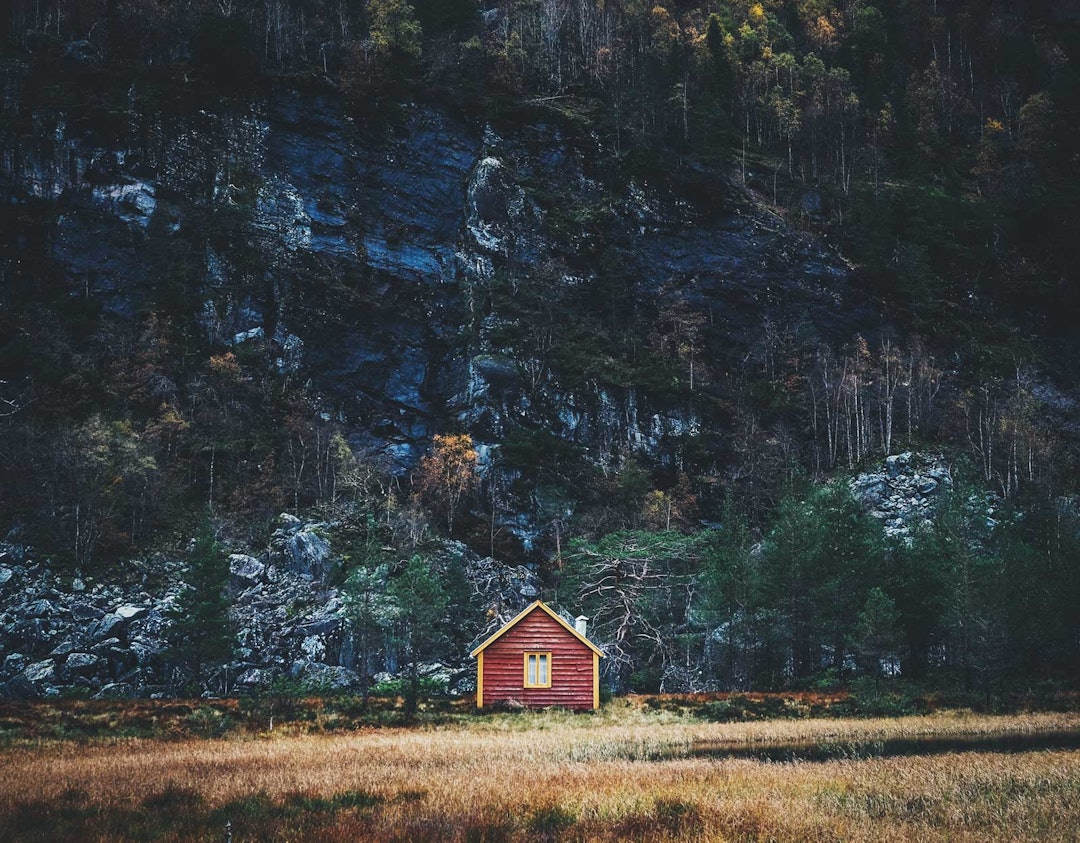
pixel 929 148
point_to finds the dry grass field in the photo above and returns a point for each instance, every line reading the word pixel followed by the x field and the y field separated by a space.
pixel 623 774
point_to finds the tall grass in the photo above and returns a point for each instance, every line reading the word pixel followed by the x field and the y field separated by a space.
pixel 619 775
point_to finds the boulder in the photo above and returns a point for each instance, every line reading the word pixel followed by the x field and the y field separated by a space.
pixel 870 490
pixel 83 612
pixel 436 671
pixel 288 524
pixel 103 648
pixel 62 649
pixel 256 333
pixel 107 627
pixel 18 688
pixel 926 485
pixel 82 663
pixel 324 675
pixel 143 651
pixel 245 570
pixel 40 672
pixel 39 609
pixel 32 633
pixel 253 677
pixel 113 691
pixel 130 613
pixel 898 464
pixel 314 648
pixel 308 554
pixel 463 683
pixel 5 575
pixel 320 626
pixel 121 661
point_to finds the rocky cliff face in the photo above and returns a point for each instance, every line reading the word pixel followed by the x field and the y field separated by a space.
pixel 904 492
pixel 359 250
pixel 60 634
pixel 362 252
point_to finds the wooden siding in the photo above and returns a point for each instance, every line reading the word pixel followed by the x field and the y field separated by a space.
pixel 573 666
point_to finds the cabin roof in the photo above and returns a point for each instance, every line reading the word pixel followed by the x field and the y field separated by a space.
pixel 539 604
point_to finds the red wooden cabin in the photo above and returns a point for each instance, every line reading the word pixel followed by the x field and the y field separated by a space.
pixel 539 660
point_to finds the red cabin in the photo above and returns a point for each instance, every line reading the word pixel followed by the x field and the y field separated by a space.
pixel 539 660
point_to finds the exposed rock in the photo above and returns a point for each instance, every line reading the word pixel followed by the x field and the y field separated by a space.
pixel 897 464
pixel 870 489
pixel 40 672
pixel 82 663
pixel 904 493
pixel 245 570
pixel 463 683
pixel 5 575
pixel 322 626
pixel 507 589
pixel 423 209
pixel 253 677
pixel 81 51
pixel 18 688
pixel 288 524
pixel 314 648
pixel 114 691
pixel 63 649
pixel 130 613
pixel 256 333
pixel 121 660
pixel 112 638
pixel 144 651
pixel 103 648
pixel 308 554
pixel 436 672
pixel 38 609
pixel 329 676
pixel 926 485
pixel 83 612
pixel 106 627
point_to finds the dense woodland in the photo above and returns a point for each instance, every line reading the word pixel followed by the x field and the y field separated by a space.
pixel 935 144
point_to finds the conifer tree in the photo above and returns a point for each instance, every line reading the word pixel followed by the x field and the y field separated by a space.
pixel 200 637
pixel 421 604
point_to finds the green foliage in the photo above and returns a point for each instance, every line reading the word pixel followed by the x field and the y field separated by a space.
pixel 394 27
pixel 876 636
pixel 208 722
pixel 370 609
pixel 949 182
pixel 419 625
pixel 820 559
pixel 199 637
pixel 426 686
pixel 638 588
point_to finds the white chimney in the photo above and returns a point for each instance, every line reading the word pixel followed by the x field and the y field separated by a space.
pixel 580 624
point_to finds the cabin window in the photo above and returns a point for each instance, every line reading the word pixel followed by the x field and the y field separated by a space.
pixel 538 670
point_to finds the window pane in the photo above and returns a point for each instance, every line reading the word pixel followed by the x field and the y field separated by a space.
pixel 532 670
pixel 543 671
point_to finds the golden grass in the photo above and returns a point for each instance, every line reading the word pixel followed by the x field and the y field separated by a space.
pixel 617 775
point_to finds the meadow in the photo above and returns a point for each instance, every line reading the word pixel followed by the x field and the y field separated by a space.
pixel 629 772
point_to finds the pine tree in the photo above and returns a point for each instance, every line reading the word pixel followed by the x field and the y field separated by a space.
pixel 200 635
pixel 876 631
pixel 421 603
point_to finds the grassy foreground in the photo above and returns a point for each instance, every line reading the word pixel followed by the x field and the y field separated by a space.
pixel 623 774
